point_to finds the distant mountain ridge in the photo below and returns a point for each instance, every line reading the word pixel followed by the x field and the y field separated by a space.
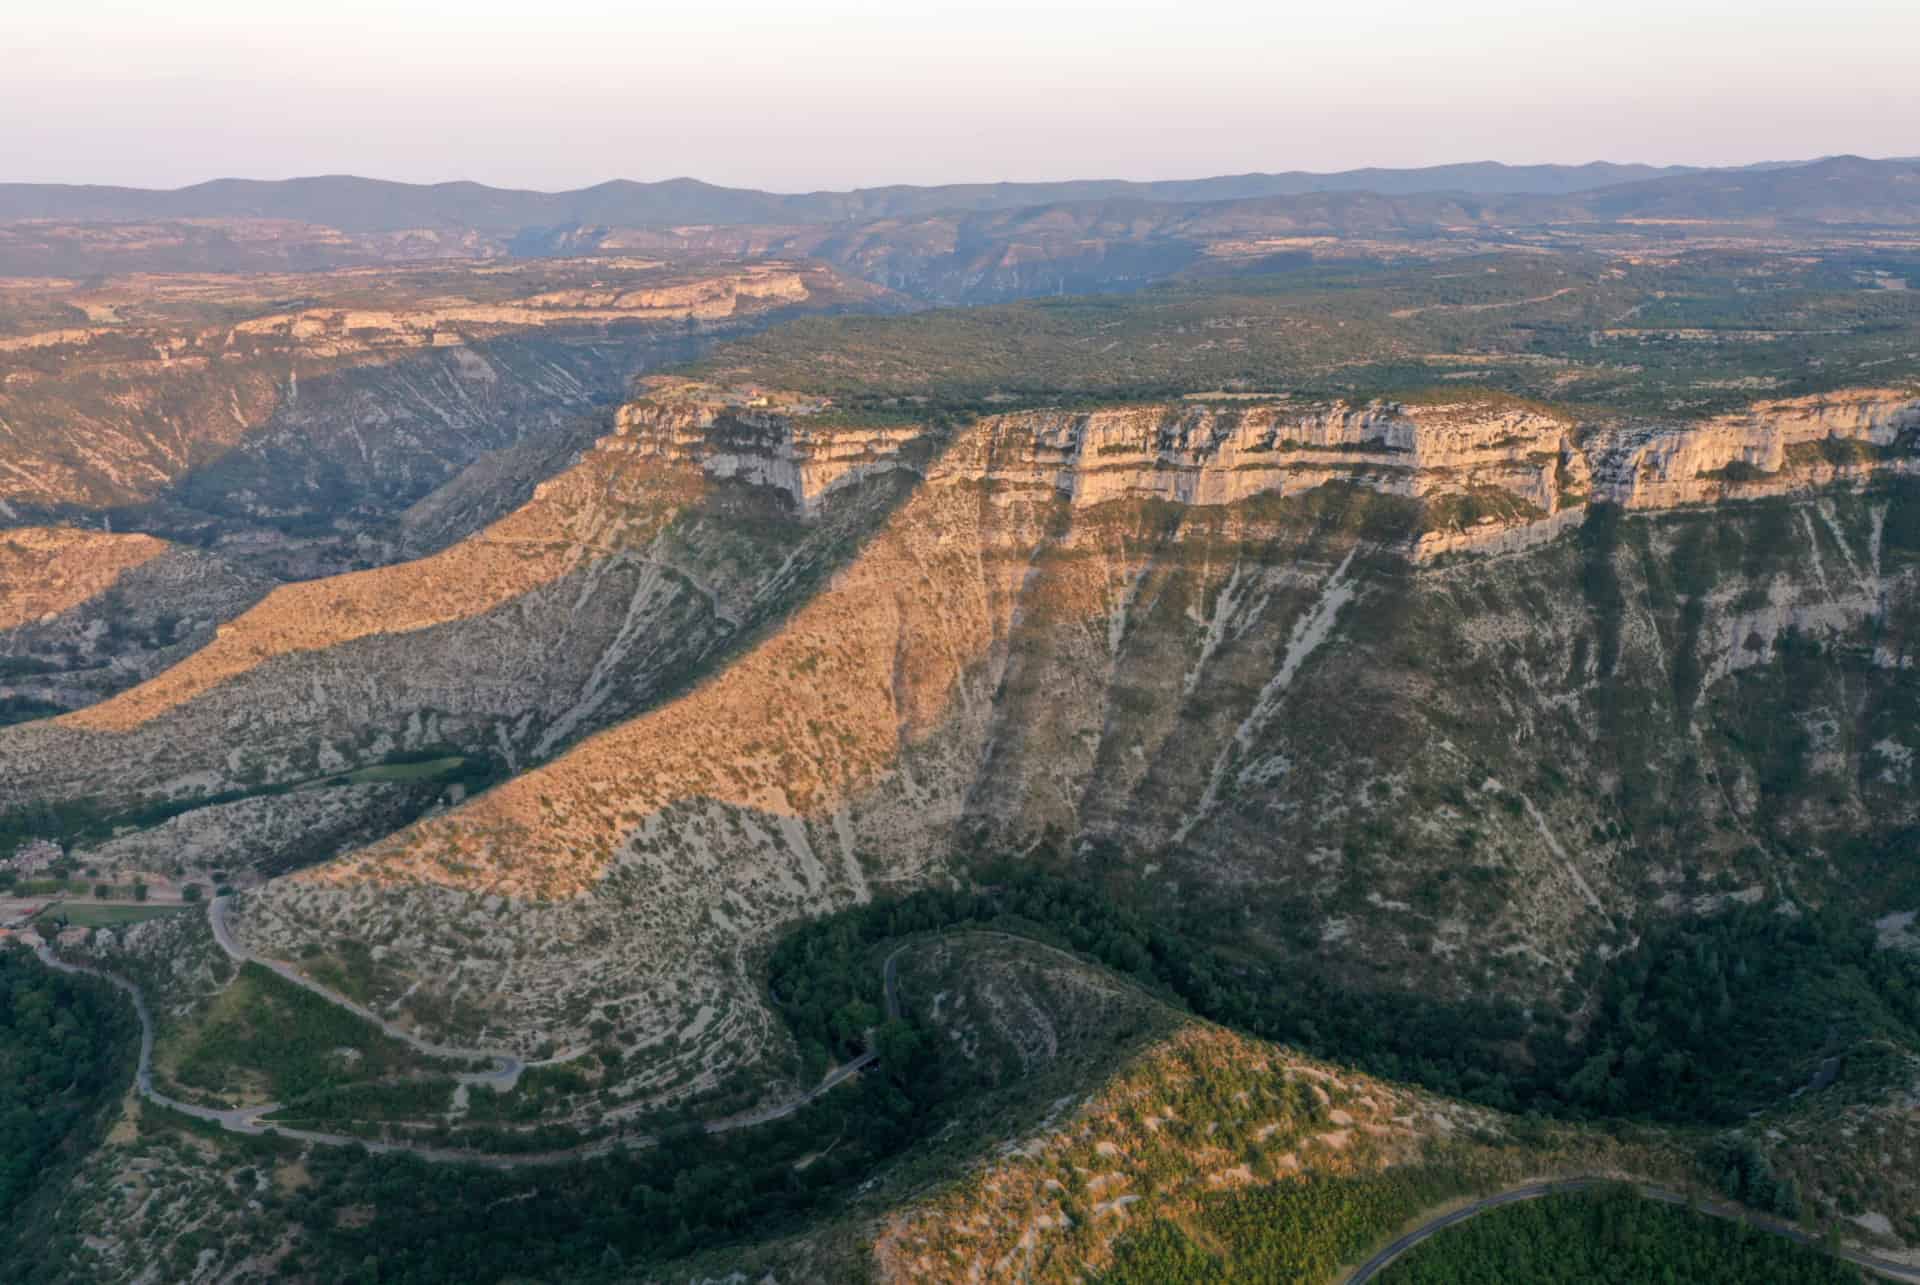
pixel 375 205
pixel 945 245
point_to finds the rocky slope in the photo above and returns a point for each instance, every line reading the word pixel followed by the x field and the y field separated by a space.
pixel 1214 650
pixel 639 496
pixel 115 414
pixel 47 570
pixel 620 579
pixel 86 613
pixel 1375 689
pixel 387 419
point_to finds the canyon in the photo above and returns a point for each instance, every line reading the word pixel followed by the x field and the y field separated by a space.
pixel 538 651
pixel 290 445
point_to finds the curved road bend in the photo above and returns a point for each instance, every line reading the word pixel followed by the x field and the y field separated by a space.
pixel 1533 1191
pixel 845 1071
pixel 247 1120
pixel 507 1065
pixel 252 1121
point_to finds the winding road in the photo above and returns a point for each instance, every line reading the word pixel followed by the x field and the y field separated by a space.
pixel 505 1072
pixel 1885 1267
pixel 507 1067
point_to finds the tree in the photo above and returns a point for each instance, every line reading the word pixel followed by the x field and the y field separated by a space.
pixel 139 891
pixel 190 892
pixel 1902 624
pixel 102 891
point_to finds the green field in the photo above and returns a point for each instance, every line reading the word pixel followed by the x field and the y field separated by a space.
pixel 263 1034
pixel 426 771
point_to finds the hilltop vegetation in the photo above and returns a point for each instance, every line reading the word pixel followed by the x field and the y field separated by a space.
pixel 1696 333
pixel 1599 1238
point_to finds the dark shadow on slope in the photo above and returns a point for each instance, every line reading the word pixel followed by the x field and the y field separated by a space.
pixel 365 467
pixel 443 678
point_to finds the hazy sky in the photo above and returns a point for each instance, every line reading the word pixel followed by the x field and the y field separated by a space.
pixel 830 93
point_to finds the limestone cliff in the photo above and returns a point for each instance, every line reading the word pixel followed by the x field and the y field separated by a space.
pixel 1209 641
pixel 803 452
pixel 1774 448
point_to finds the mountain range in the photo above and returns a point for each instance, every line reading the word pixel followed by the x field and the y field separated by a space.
pixel 374 205
pixel 954 244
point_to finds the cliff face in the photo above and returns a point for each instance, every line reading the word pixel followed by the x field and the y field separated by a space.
pixel 1486 476
pixel 1775 448
pixel 803 456
pixel 1203 455
pixel 1268 706
pixel 1211 646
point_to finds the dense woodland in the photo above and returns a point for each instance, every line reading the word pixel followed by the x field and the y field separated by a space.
pixel 66 1047
pixel 1602 1238
pixel 1702 1022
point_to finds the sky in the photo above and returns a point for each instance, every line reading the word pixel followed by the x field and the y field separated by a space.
pixel 808 94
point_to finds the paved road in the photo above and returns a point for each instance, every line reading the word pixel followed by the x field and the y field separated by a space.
pixel 845 1071
pixel 505 1073
pixel 1533 1191
pixel 239 1119
pixel 253 1120
pixel 506 1064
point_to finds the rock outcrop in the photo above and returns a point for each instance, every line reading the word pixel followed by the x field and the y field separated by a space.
pixel 1774 448
pixel 803 451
